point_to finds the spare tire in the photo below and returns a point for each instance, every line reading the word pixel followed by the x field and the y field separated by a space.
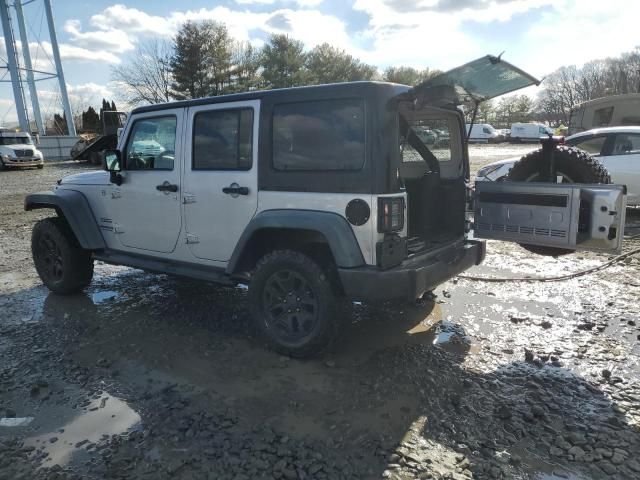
pixel 572 164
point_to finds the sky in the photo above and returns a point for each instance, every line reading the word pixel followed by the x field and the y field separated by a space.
pixel 536 35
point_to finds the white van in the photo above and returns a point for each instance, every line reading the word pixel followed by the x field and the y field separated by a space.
pixel 528 132
pixel 483 133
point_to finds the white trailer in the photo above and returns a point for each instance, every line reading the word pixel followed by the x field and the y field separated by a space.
pixel 613 111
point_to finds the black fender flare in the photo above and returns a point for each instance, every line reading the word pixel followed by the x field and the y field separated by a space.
pixel 73 205
pixel 335 228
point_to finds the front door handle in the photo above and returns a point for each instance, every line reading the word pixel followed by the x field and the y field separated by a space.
pixel 234 190
pixel 167 187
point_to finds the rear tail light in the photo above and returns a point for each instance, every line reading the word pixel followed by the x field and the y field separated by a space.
pixel 390 214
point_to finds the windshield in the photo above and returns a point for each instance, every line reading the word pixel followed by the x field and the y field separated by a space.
pixel 16 141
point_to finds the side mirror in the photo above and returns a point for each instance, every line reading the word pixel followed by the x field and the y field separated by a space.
pixel 113 164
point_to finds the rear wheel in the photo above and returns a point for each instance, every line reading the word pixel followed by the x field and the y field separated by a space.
pixel 294 304
pixel 63 266
pixel 572 166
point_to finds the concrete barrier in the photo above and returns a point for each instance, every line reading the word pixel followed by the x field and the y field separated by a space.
pixel 56 147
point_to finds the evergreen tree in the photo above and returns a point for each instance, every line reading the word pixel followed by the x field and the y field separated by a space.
pixel 408 75
pixel 327 64
pixel 283 62
pixel 190 62
pixel 90 120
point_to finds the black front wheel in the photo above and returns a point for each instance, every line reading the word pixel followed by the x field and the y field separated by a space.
pixel 63 266
pixel 294 304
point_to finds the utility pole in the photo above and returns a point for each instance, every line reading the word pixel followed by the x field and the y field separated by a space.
pixel 12 65
pixel 26 54
pixel 56 58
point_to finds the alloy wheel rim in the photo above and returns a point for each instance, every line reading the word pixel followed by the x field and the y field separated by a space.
pixel 290 306
pixel 50 258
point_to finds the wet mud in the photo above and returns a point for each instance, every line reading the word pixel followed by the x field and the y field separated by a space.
pixel 149 376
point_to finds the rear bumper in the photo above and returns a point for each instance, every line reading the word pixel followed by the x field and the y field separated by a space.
pixel 413 277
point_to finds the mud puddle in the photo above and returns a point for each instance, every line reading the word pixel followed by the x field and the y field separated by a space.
pixel 72 436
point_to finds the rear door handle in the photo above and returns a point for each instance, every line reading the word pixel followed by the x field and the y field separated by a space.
pixel 234 190
pixel 167 187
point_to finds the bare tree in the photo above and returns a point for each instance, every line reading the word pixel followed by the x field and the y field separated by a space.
pixel 147 77
pixel 569 86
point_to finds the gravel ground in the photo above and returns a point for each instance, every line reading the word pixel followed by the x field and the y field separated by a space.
pixel 146 376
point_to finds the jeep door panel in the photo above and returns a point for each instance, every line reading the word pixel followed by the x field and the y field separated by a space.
pixel 146 207
pixel 220 186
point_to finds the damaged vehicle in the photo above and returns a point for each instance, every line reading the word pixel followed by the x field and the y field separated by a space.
pixel 313 196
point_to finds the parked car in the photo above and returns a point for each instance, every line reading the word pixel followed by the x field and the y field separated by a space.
pixel 528 132
pixel 483 133
pixel 616 148
pixel 18 151
pixel 304 194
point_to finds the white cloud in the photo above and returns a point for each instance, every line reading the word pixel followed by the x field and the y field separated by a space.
pixel 120 17
pixel 109 39
pixel 577 32
pixel 310 26
pixel 300 3
pixel 79 54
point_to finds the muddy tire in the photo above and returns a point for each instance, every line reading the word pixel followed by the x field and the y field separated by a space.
pixel 63 266
pixel 294 304
pixel 94 158
pixel 573 164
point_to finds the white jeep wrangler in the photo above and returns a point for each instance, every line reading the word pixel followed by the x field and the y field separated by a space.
pixel 310 195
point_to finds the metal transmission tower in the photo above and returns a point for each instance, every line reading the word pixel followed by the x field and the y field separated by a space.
pixel 12 65
pixel 14 68
pixel 26 54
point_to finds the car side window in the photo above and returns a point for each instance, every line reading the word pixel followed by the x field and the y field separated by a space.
pixel 626 144
pixel 223 140
pixel 151 144
pixel 319 135
pixel 591 145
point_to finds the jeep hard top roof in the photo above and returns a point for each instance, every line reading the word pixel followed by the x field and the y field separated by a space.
pixel 385 90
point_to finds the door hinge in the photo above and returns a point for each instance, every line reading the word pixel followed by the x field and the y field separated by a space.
pixel 188 198
pixel 191 238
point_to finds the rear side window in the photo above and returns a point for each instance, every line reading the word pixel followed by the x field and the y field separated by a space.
pixel 320 135
pixel 592 145
pixel 626 144
pixel 222 140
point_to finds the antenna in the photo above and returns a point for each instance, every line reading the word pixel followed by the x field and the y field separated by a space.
pixel 15 70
